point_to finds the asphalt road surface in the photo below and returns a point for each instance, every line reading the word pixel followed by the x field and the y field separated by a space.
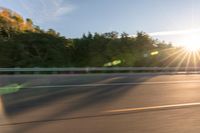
pixel 101 103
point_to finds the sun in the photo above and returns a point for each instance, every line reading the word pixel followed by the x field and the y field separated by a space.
pixel 191 43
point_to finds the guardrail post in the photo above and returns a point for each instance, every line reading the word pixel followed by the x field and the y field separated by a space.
pixel 16 71
pixel 87 70
pixel 54 72
pixel 36 70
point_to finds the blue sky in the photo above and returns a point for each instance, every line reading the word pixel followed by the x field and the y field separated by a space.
pixel 163 19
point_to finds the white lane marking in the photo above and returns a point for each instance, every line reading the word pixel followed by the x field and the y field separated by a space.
pixel 117 84
pixel 152 108
pixel 102 114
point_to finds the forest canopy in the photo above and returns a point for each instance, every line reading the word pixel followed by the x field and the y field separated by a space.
pixel 23 44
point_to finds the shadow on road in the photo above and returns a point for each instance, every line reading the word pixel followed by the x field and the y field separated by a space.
pixel 35 98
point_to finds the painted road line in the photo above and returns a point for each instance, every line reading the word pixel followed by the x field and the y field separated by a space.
pixel 103 114
pixel 117 84
pixel 162 107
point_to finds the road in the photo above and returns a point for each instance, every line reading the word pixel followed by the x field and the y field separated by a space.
pixel 101 103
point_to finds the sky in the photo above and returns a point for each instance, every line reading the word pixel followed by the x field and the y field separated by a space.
pixel 169 20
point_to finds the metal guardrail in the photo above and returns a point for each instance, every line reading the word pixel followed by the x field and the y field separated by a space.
pixel 99 69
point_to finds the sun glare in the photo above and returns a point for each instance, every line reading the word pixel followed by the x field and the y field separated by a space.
pixel 191 43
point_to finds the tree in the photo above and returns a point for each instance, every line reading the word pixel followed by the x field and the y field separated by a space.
pixel 29 24
pixel 53 32
pixel 23 44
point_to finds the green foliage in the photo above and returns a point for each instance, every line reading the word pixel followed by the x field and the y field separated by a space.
pixel 22 44
pixel 100 49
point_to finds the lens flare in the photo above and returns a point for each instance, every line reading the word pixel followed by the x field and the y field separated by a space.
pixel 191 43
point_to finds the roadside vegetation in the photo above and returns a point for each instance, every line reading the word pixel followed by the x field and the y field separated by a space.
pixel 23 44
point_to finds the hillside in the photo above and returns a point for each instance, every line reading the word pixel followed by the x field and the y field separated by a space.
pixel 22 44
pixel 10 20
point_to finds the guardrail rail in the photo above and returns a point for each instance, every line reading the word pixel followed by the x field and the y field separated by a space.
pixel 98 69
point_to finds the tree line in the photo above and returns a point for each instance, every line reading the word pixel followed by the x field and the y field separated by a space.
pixel 22 44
